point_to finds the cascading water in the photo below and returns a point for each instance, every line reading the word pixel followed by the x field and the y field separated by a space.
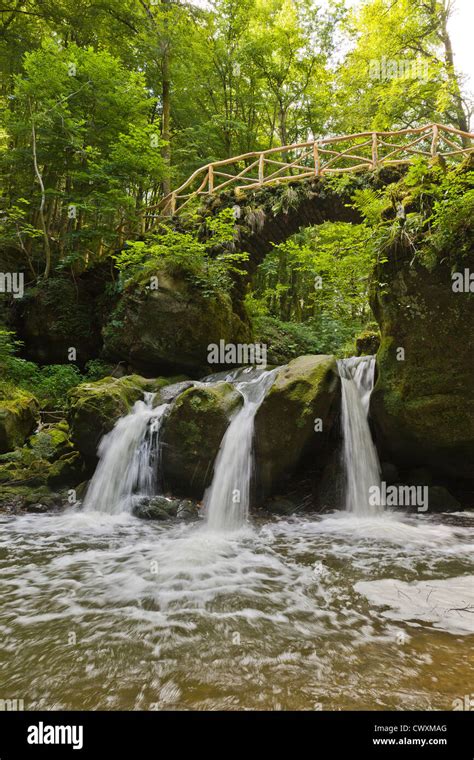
pixel 128 460
pixel 227 498
pixel 361 463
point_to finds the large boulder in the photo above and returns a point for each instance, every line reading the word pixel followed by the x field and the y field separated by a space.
pixel 64 312
pixel 422 406
pixel 192 435
pixel 295 417
pixel 18 414
pixel 31 474
pixel 170 329
pixel 94 408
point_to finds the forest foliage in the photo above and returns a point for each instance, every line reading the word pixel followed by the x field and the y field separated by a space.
pixel 107 104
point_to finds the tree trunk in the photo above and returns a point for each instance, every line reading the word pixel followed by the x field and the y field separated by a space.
pixel 461 117
pixel 47 249
pixel 166 99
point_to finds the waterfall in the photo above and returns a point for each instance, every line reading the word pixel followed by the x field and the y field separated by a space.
pixel 128 460
pixel 361 463
pixel 228 497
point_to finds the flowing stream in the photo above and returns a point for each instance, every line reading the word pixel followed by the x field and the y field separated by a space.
pixel 129 465
pixel 343 611
pixel 361 463
pixel 227 499
pixel 337 612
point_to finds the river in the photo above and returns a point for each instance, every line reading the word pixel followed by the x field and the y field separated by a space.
pixel 329 612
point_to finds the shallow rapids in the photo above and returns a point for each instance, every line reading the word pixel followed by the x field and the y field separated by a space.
pixel 109 612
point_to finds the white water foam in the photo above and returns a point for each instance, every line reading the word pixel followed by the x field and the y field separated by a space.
pixel 157 606
pixel 361 463
pixel 446 603
pixel 129 456
pixel 227 499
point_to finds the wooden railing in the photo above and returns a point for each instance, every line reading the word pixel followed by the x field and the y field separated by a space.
pixel 329 155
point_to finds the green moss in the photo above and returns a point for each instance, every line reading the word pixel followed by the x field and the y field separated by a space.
pixel 28 474
pixel 17 419
pixel 193 433
pixel 51 441
pixel 423 405
pixel 306 389
pixel 190 434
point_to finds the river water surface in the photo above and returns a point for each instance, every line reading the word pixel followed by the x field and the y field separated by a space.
pixel 335 612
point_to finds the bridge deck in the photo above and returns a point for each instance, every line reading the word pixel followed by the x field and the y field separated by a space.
pixel 325 156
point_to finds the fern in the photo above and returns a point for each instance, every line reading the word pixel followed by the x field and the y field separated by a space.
pixel 371 205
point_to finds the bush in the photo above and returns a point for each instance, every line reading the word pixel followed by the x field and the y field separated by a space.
pixel 96 369
pixel 50 384
pixel 285 340
pixel 209 264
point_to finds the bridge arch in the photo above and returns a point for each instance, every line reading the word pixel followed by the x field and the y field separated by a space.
pixel 255 183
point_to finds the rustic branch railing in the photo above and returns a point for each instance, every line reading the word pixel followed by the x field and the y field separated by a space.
pixel 329 155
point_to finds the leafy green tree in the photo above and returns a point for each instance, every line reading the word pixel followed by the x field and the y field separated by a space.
pixel 320 277
pixel 81 152
pixel 399 71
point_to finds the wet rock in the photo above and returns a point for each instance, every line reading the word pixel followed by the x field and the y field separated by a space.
pixel 37 509
pixel 419 476
pixel 81 489
pixel 165 508
pixel 188 510
pixel 440 500
pixel 170 392
pixel 192 435
pixel 281 506
pixel 389 473
pixel 304 396
pixel 330 486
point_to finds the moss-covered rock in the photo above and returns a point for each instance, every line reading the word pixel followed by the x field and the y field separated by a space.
pixel 306 391
pixel 52 441
pixel 422 405
pixel 31 474
pixel 65 311
pixel 367 342
pixel 18 415
pixel 192 434
pixel 170 329
pixel 441 500
pixel 94 408
pixel 65 471
pixel 17 499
